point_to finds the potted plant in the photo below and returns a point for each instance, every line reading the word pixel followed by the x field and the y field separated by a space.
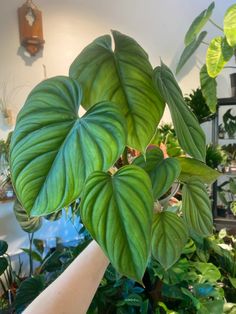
pixel 230 150
pixel 57 157
pixel 220 51
pixel 229 123
pixel 198 105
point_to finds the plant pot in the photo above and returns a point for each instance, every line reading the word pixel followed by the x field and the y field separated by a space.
pixel 233 84
pixel 221 211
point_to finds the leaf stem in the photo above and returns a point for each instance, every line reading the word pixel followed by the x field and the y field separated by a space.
pixel 125 156
pixel 216 25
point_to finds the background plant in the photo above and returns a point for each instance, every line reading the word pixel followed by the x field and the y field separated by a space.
pixel 220 50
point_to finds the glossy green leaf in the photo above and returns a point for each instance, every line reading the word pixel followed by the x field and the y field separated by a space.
pixel 209 271
pixel 123 76
pixel 230 25
pixel 196 207
pixel 162 172
pixel 198 23
pixel 28 224
pixel 169 238
pixel 3 247
pixel 53 150
pixel 117 211
pixel 218 54
pixel 208 88
pixel 3 265
pixel 194 168
pixel 28 291
pixel 189 133
pixel 189 50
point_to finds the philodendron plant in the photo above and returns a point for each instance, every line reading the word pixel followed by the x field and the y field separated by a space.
pixel 57 157
pixel 219 52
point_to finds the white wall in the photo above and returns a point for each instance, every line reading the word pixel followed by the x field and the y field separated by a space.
pixel 159 26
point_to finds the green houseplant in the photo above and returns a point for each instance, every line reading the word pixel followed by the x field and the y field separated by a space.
pixel 220 51
pixel 57 157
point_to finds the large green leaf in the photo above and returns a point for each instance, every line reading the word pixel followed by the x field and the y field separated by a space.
pixel 208 87
pixel 117 211
pixel 53 150
pixel 198 23
pixel 196 207
pixel 194 168
pixel 189 50
pixel 28 224
pixel 123 76
pixel 230 25
pixel 169 238
pixel 189 133
pixel 163 172
pixel 3 265
pixel 3 247
pixel 28 291
pixel 218 54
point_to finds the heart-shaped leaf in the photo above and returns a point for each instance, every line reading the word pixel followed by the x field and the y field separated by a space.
pixel 117 211
pixel 189 50
pixel 230 25
pixel 194 168
pixel 169 238
pixel 28 224
pixel 189 133
pixel 3 247
pixel 123 76
pixel 198 23
pixel 208 87
pixel 196 207
pixel 53 150
pixel 3 265
pixel 162 172
pixel 218 54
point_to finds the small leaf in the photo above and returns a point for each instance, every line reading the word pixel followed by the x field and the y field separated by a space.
pixel 28 224
pixel 198 23
pixel 230 25
pixel 134 300
pixel 53 150
pixel 39 245
pixel 209 271
pixel 28 291
pixel 162 172
pixel 218 54
pixel 35 256
pixel 189 133
pixel 123 76
pixel 233 208
pixel 189 50
pixel 196 207
pixel 3 265
pixel 232 281
pixel 3 247
pixel 191 167
pixel 112 207
pixel 208 87
pixel 169 238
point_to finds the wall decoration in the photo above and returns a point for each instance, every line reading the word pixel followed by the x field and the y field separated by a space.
pixel 30 27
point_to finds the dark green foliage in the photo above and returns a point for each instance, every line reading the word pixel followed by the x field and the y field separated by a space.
pixel 197 103
pixel 215 156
